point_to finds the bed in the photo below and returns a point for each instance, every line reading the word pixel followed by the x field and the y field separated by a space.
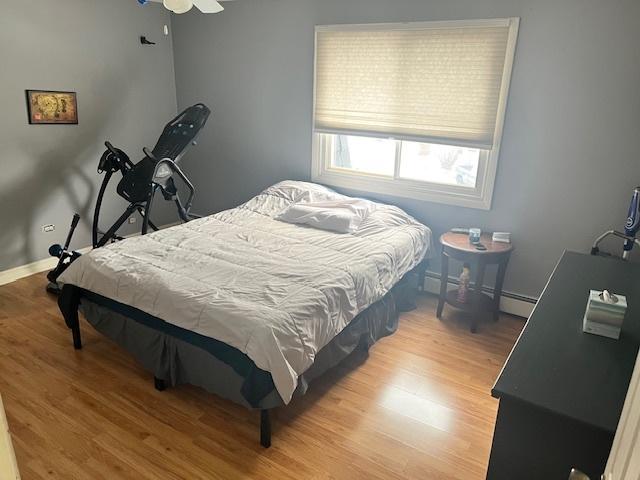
pixel 245 305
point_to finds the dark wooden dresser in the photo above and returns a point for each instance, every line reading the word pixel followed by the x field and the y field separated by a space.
pixel 561 390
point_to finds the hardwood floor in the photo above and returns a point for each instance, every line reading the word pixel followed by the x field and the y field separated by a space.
pixel 419 407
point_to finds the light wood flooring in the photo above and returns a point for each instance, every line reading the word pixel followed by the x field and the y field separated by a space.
pixel 419 407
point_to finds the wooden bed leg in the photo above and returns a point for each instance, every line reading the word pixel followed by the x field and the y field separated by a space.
pixel 265 429
pixel 160 384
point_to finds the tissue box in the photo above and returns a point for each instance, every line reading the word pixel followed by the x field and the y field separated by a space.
pixel 604 318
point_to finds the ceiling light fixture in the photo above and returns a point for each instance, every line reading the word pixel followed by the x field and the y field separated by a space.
pixel 178 6
pixel 183 6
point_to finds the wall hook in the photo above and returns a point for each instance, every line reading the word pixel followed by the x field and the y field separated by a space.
pixel 144 41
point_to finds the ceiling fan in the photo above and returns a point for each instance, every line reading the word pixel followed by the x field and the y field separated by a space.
pixel 183 6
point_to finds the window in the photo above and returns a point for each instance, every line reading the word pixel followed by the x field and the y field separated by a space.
pixel 412 110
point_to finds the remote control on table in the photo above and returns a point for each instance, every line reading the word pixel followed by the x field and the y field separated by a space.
pixel 460 230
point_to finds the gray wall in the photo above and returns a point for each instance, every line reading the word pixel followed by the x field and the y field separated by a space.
pixel 569 158
pixel 126 92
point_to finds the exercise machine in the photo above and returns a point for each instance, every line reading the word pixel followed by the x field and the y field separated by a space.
pixel 140 184
pixel 65 257
pixel 631 228
pixel 155 172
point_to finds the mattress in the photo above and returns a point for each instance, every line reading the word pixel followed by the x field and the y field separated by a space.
pixel 277 292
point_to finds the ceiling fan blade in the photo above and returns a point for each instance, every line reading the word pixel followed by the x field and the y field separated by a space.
pixel 208 6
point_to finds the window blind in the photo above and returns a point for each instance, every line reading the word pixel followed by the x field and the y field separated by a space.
pixel 437 82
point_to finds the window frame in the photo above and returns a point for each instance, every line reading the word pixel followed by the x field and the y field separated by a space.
pixel 479 197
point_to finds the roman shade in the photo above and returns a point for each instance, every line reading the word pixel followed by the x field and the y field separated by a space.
pixel 439 82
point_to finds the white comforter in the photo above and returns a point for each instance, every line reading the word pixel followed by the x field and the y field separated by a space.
pixel 277 292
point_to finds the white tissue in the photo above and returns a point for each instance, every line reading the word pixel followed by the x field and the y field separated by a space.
pixel 604 314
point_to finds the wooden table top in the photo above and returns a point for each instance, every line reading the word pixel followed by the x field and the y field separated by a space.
pixel 460 242
pixel 558 368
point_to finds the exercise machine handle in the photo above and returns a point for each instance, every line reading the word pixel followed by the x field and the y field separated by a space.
pixel 114 159
pixel 111 148
pixel 74 224
pixel 150 154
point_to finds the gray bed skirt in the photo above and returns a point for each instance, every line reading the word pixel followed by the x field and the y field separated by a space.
pixel 178 361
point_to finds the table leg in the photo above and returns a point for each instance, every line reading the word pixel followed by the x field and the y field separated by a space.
pixel 477 296
pixel 497 292
pixel 444 282
pixel 421 270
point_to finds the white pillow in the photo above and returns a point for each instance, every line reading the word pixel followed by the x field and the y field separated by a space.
pixel 342 216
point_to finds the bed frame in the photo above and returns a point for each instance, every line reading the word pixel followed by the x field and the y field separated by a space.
pixel 70 300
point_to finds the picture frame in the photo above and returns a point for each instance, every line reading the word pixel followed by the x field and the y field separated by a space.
pixel 52 107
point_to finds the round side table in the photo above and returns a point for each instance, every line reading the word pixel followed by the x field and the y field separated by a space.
pixel 458 247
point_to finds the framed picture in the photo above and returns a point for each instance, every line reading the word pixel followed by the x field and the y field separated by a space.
pixel 51 107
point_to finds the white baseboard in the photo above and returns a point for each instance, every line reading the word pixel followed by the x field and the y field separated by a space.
pixel 509 303
pixel 9 276
pixel 46 264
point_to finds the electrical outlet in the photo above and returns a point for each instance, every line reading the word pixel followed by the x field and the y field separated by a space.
pixel 48 228
pixel 132 220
